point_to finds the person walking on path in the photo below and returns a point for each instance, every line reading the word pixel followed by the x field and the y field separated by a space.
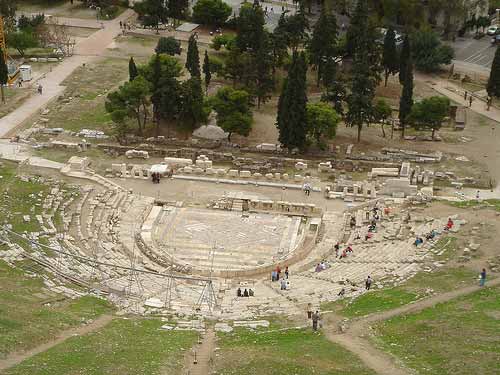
pixel 465 95
pixel 286 272
pixel 315 319
pixel 40 89
pixel 309 310
pixel 482 277
pixel 470 101
pixel 368 283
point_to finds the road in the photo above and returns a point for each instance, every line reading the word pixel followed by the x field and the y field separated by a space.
pixel 476 55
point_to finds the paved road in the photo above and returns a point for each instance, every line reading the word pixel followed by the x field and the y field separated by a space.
pixel 85 51
pixel 475 53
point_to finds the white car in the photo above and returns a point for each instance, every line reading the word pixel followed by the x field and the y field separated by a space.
pixel 493 30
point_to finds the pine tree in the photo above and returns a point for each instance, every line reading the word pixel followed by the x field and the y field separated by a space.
pixel 206 71
pixel 132 69
pixel 292 116
pixel 493 87
pixel 323 44
pixel 264 81
pixel 404 58
pixel 406 99
pixel 4 74
pixel 365 71
pixel 390 54
pixel 357 27
pixel 193 58
pixel 192 112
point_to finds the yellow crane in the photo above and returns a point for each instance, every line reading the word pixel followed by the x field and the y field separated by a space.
pixel 12 67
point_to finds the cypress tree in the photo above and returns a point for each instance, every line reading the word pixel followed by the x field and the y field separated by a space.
pixel 322 46
pixel 292 118
pixel 493 86
pixel 193 58
pixel 264 81
pixel 390 54
pixel 4 74
pixel 403 59
pixel 132 69
pixel 206 71
pixel 406 99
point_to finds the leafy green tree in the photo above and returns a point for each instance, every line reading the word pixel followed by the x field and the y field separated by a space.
pixel 250 27
pixel 365 71
pixel 168 45
pixel 292 117
pixel 493 86
pixel 406 99
pixel 163 72
pixel 390 58
pixel 322 121
pixel 4 74
pixel 428 51
pixel 177 9
pixel 192 111
pixel 152 12
pixel 323 44
pixel 233 111
pixel 211 12
pixel 225 40
pixel 8 10
pixel 206 71
pixel 430 113
pixel 132 69
pixel 21 41
pixel 193 58
pixel 336 93
pixel 297 28
pixel 381 113
pixel 131 100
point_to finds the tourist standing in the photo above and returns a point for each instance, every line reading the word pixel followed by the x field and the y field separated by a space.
pixel 315 319
pixel 309 310
pixel 368 283
pixel 482 277
pixel 286 272
pixel 40 89
pixel 278 272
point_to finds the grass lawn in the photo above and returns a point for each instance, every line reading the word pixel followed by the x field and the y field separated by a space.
pixel 123 347
pixel 493 203
pixel 460 337
pixel 88 87
pixel 14 97
pixel 293 351
pixel 416 288
pixel 30 314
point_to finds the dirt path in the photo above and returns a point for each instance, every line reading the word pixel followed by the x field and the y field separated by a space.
pixel 17 357
pixel 354 339
pixel 203 354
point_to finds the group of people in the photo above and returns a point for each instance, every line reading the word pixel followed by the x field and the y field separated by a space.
pixel 245 293
pixel 276 274
pixel 322 266
pixel 155 177
pixel 314 316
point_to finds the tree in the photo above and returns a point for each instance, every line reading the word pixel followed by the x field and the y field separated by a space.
pixel 152 12
pixel 250 25
pixel 206 71
pixel 406 75
pixel 4 74
pixel 8 12
pixel 192 111
pixel 132 69
pixel 177 9
pixel 21 41
pixel 211 12
pixel 428 51
pixel 404 58
pixel 493 86
pixel 323 44
pixel 390 58
pixel 322 121
pixel 291 119
pixel 430 113
pixel 264 81
pixel 131 100
pixel 233 111
pixel 381 112
pixel 162 72
pixel 168 45
pixel 365 71
pixel 297 27
pixel 193 58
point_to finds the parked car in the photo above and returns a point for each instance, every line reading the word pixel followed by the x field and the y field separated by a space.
pixel 493 30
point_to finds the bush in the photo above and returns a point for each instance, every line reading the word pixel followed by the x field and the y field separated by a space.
pixel 428 51
pixel 211 12
pixel 223 41
pixel 216 65
pixel 169 45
